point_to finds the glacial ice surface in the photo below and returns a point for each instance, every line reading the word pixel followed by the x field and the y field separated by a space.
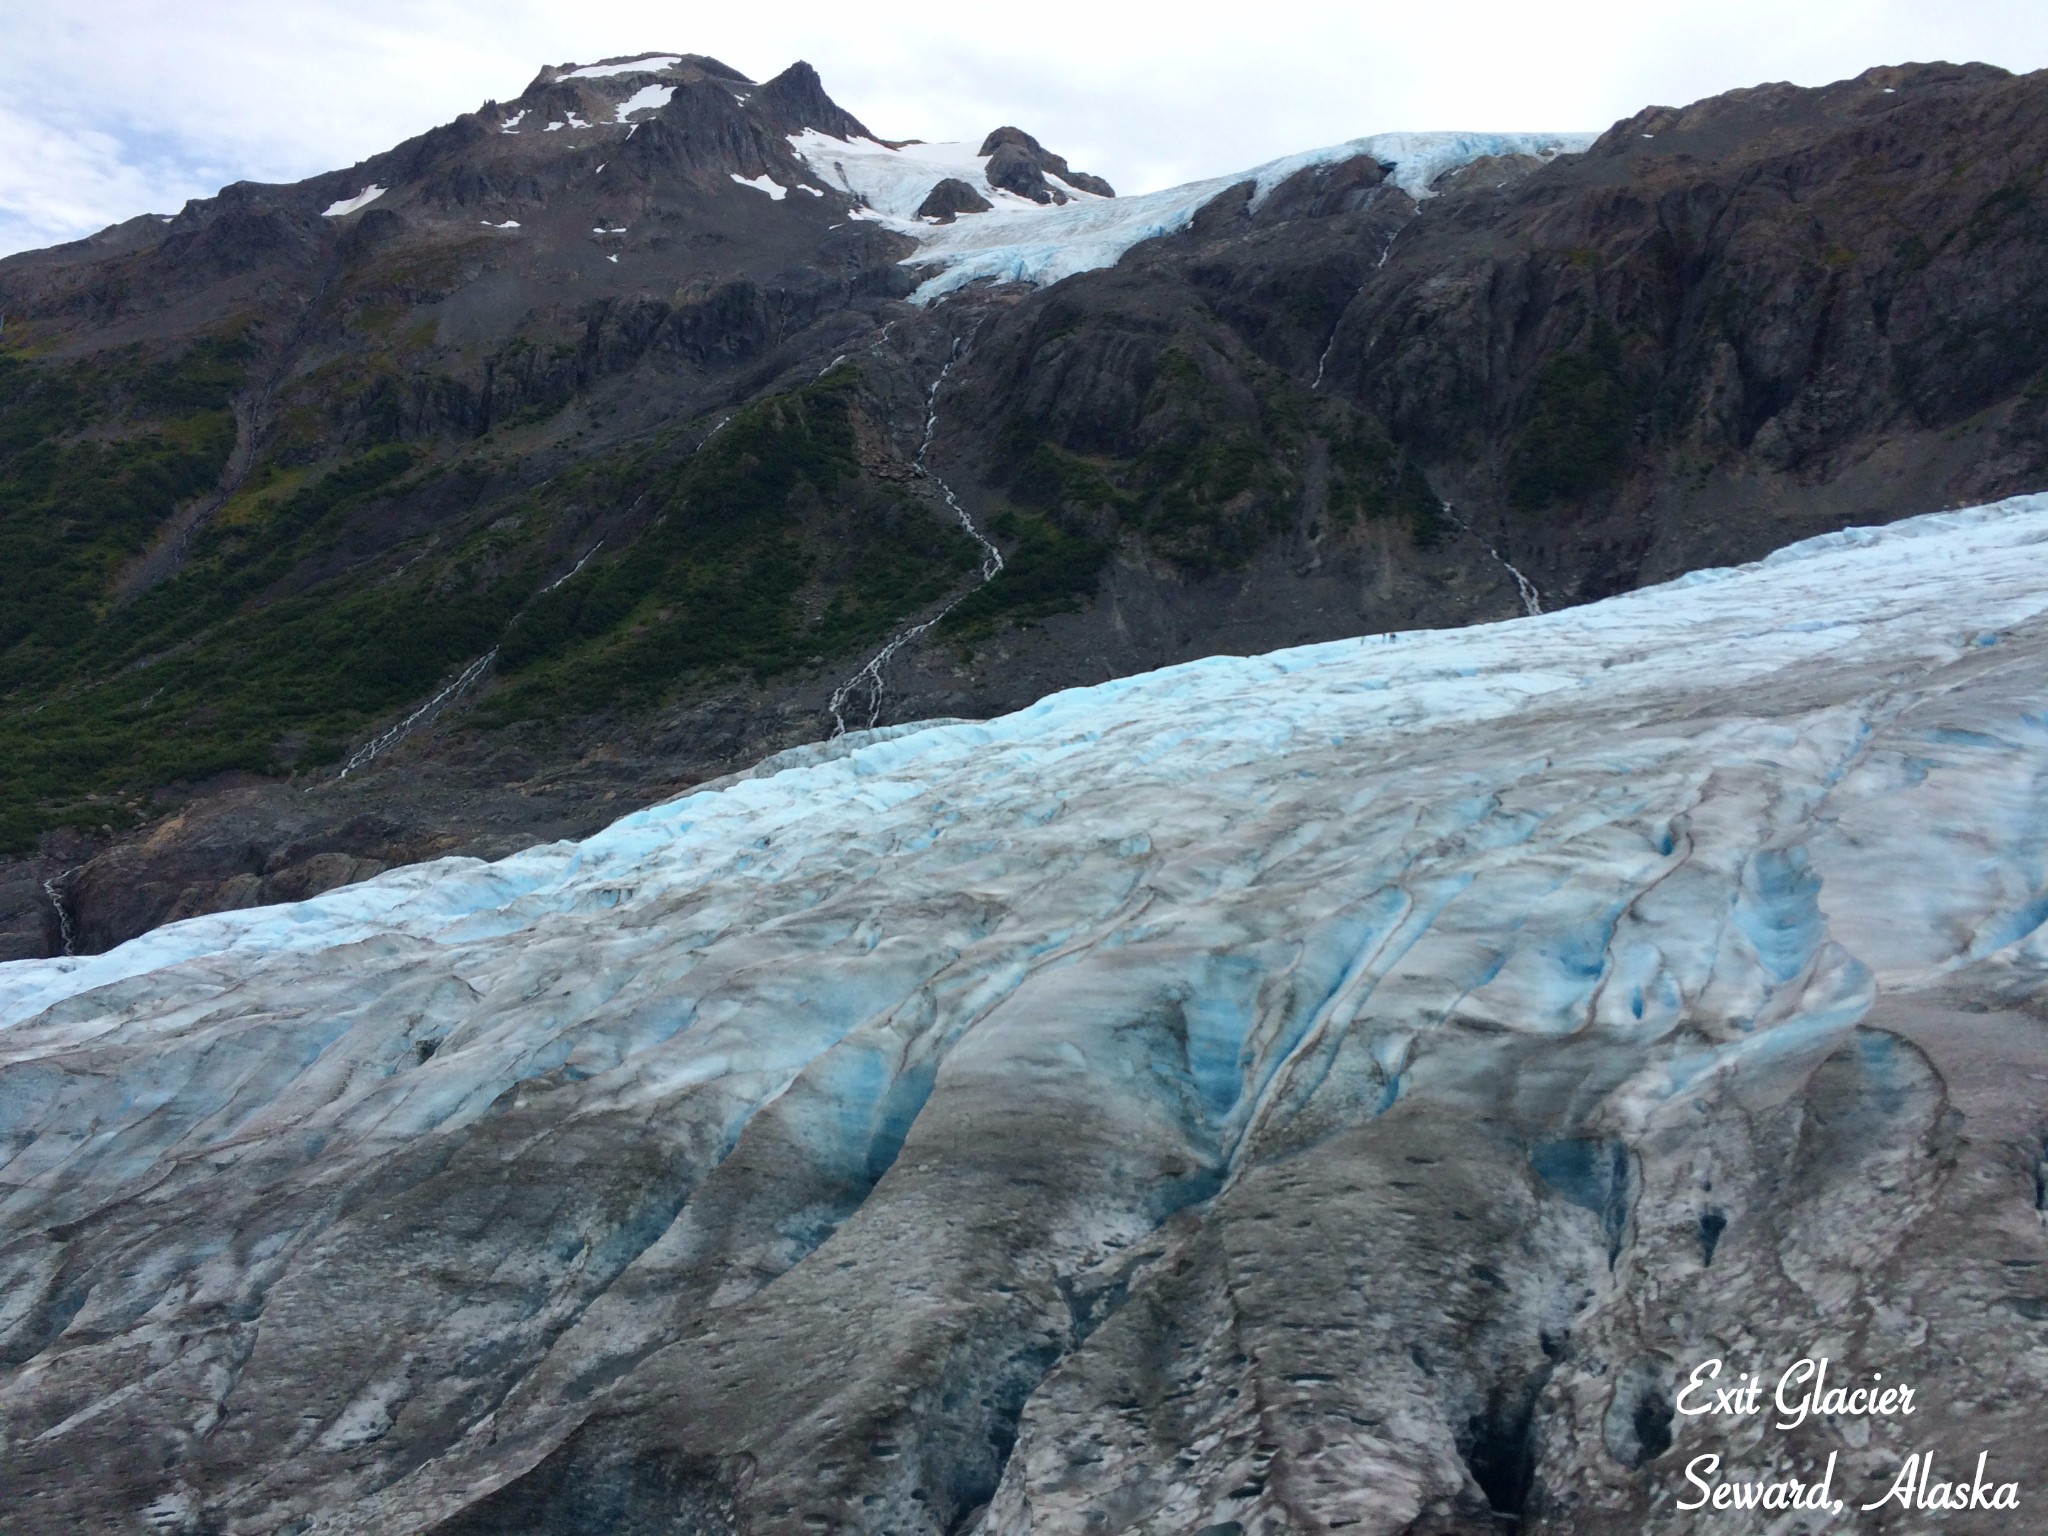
pixel 811 1092
pixel 1603 816
pixel 1022 241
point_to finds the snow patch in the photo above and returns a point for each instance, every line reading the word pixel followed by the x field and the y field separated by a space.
pixel 763 183
pixel 648 66
pixel 649 98
pixel 895 182
pixel 348 205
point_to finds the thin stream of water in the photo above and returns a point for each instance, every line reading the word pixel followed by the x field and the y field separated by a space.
pixel 63 916
pixel 1532 600
pixel 869 678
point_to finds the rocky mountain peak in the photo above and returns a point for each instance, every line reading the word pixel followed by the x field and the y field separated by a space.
pixel 647 244
pixel 1019 163
pixel 795 100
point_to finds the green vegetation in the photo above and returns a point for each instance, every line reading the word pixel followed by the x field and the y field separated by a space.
pixel 331 591
pixel 216 669
pixel 1371 478
pixel 1047 571
pixel 1576 438
pixel 2011 210
pixel 294 626
pixel 731 575
pixel 89 470
pixel 1218 476
pixel 1912 255
pixel 1215 482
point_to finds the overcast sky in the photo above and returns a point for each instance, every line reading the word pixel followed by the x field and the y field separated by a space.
pixel 110 108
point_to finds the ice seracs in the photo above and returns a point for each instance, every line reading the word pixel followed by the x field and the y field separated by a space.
pixel 1933 592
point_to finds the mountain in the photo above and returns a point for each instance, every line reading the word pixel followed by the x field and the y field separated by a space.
pixel 600 442
pixel 1353 1088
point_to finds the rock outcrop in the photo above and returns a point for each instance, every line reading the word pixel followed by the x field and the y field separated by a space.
pixel 1017 150
pixel 949 198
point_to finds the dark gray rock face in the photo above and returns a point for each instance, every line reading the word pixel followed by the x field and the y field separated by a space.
pixel 1320 191
pixel 795 100
pixel 1016 147
pixel 1015 169
pixel 952 197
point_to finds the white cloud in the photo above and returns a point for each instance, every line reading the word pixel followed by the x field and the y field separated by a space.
pixel 118 107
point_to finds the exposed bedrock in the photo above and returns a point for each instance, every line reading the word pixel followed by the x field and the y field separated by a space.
pixel 1019 163
pixel 949 198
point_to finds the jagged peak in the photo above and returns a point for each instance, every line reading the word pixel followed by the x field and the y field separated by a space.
pixel 795 100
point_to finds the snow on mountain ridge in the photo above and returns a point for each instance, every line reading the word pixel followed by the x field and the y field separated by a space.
pixel 649 98
pixel 649 64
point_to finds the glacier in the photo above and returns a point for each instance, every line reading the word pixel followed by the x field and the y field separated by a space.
pixel 1022 241
pixel 1341 1087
